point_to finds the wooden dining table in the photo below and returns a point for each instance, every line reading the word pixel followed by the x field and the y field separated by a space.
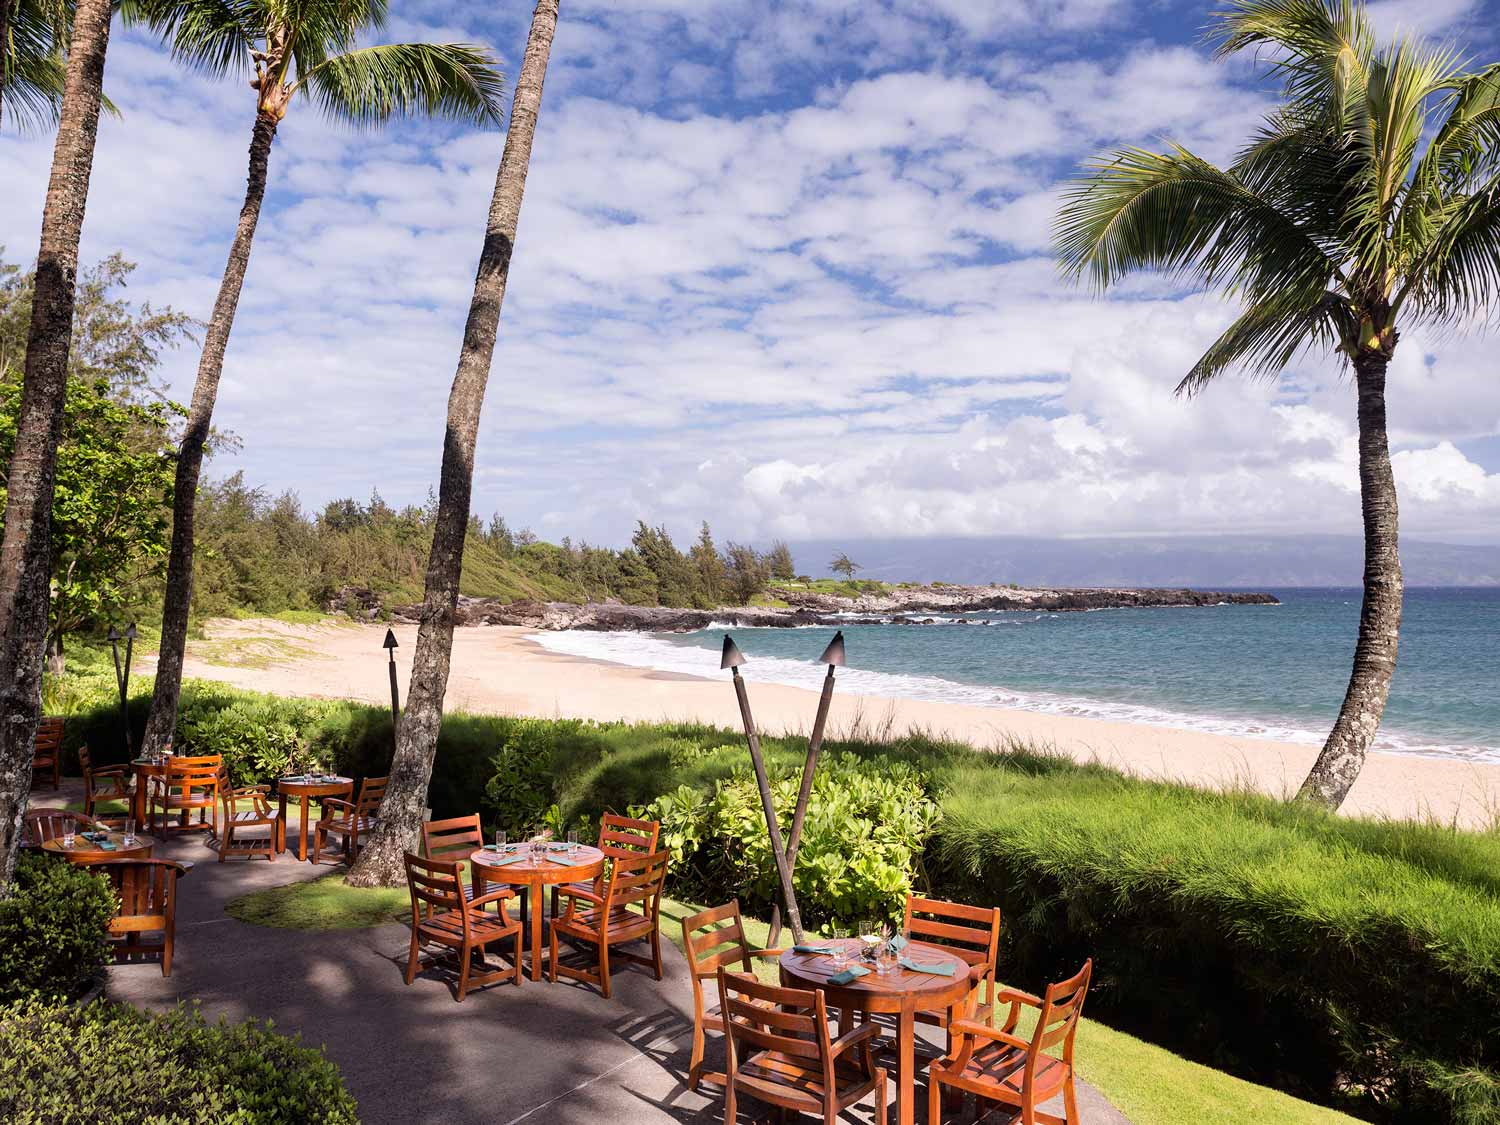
pixel 305 789
pixel 144 771
pixel 902 993
pixel 498 866
pixel 89 851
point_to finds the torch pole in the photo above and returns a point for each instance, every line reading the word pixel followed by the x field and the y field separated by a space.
pixel 395 695
pixel 125 688
pixel 804 795
pixel 778 850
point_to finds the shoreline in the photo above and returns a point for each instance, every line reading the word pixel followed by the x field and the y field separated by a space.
pixel 504 670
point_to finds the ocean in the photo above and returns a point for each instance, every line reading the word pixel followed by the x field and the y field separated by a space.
pixel 1275 672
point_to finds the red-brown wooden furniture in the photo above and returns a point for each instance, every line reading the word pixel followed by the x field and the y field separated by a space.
pixel 306 791
pixel 620 837
pixel 629 912
pixel 260 827
pixel 146 890
pixel 89 852
pixel 714 939
pixel 40 825
pixel 994 1063
pixel 971 933
pixel 518 868
pixel 46 755
pixel 454 839
pixel 778 1050
pixel 350 821
pixel 440 915
pixel 104 783
pixel 186 786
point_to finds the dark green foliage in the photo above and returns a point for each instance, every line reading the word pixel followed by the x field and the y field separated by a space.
pixel 111 1062
pixel 52 932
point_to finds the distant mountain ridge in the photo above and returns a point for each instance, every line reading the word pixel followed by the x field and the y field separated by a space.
pixel 1218 561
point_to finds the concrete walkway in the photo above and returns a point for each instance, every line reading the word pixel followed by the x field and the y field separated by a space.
pixel 540 1053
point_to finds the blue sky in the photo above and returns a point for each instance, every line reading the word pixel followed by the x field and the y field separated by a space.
pixel 782 266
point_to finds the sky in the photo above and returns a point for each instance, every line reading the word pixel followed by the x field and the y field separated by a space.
pixel 782 265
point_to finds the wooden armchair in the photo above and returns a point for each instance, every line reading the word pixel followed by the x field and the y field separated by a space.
pixel 710 947
pixel 41 825
pixel 995 1063
pixel 620 837
pixel 630 911
pixel 777 1050
pixel 971 933
pixel 46 754
pixel 103 783
pixel 454 840
pixel 441 915
pixel 350 821
pixel 189 785
pixel 146 890
pixel 259 815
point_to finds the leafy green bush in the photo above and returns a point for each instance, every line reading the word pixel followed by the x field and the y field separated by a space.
pixel 111 1062
pixel 260 737
pixel 52 930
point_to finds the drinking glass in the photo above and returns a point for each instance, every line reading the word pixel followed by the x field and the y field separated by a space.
pixel 840 936
pixel 869 938
pixel 129 831
pixel 885 959
pixel 572 841
pixel 500 839
pixel 69 828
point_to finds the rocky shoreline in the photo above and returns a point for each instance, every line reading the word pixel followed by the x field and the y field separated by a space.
pixel 903 605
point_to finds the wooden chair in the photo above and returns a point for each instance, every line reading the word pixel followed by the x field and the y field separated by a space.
pixel 440 915
pixel 455 840
pixel 189 785
pixel 634 882
pixel 995 1063
pixel 350 821
pixel 777 1050
pixel 620 837
pixel 46 754
pixel 41 825
pixel 146 890
pixel 259 815
pixel 709 947
pixel 103 783
pixel 971 933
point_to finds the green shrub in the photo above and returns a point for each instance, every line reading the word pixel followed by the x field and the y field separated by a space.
pixel 111 1062
pixel 52 930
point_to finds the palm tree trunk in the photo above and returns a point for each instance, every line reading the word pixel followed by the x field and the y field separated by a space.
pixel 380 861
pixel 25 553
pixel 1343 755
pixel 179 592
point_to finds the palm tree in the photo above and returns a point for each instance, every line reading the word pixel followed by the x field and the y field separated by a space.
pixel 32 33
pixel 380 862
pixel 1368 202
pixel 25 552
pixel 287 48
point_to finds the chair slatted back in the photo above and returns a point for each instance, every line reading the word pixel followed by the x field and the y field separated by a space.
pixel 971 932
pixel 146 890
pixel 457 835
pixel 371 793
pixel 42 825
pixel 637 881
pixel 711 946
pixel 620 837
pixel 763 1017
pixel 193 779
pixel 86 764
pixel 49 736
pixel 434 883
pixel 1061 1008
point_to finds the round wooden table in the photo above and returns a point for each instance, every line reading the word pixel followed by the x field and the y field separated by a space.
pixel 534 874
pixel 307 790
pixel 902 992
pixel 86 851
pixel 144 771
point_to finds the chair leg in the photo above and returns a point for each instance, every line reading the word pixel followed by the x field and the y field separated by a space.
pixel 604 969
pixel 880 1110
pixel 465 955
pixel 551 949
pixel 225 841
pixel 729 1104
pixel 656 950
pixel 412 959
pixel 1070 1102
pixel 695 1063
pixel 516 973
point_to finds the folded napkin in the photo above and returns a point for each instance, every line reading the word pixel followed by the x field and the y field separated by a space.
pixel 568 860
pixel 106 846
pixel 505 861
pixel 850 974
pixel 896 944
pixel 94 837
pixel 942 969
pixel 812 949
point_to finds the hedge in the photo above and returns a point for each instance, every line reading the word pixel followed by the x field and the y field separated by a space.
pixel 1352 962
pixel 53 930
pixel 112 1062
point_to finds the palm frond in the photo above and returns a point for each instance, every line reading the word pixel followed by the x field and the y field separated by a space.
pixel 214 36
pixel 32 63
pixel 1270 334
pixel 1460 274
pixel 1178 213
pixel 373 84
pixel 1464 150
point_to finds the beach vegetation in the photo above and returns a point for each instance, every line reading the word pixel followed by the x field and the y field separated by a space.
pixel 1367 203
pixel 842 564
pixel 53 931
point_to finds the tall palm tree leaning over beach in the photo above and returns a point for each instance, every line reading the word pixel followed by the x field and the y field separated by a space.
pixel 1368 202
pixel 286 48
pixel 26 548
pixel 395 833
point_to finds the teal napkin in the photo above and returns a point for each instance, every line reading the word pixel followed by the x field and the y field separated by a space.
pixel 896 944
pixel 106 846
pixel 568 860
pixel 812 949
pixel 505 861
pixel 852 973
pixel 945 969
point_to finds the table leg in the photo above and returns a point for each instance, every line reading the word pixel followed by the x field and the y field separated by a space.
pixel 138 803
pixel 536 930
pixel 302 830
pixel 906 1065
pixel 282 798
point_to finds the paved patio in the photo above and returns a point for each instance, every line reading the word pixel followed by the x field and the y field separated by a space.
pixel 540 1053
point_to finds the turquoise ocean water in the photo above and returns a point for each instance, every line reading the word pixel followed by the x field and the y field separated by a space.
pixel 1267 671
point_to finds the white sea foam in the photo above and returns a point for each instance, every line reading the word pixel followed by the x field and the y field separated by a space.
pixel 648 650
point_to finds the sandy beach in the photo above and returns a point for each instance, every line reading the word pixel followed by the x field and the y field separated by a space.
pixel 498 670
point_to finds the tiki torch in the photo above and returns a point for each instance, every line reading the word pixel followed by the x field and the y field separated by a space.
pixel 732 659
pixel 122 676
pixel 833 656
pixel 390 647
